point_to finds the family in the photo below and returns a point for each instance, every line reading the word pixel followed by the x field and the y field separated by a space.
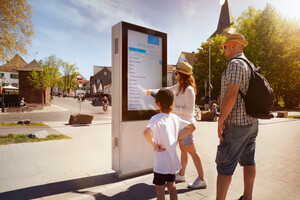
pixel 175 123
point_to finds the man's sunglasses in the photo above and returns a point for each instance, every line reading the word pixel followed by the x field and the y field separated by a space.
pixel 224 46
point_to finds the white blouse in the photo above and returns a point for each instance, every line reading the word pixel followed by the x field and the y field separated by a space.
pixel 184 103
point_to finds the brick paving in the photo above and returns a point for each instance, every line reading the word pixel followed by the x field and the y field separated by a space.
pixel 80 168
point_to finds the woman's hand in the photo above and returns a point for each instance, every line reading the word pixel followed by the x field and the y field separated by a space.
pixel 147 92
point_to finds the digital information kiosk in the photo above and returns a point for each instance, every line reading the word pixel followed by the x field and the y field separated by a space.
pixel 139 62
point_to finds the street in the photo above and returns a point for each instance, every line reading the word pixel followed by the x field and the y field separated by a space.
pixel 69 105
pixel 80 167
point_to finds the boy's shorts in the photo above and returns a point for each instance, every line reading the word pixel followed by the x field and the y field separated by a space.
pixel 161 179
pixel 189 139
pixel 238 146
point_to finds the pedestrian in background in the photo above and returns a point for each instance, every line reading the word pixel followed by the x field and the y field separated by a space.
pixel 206 101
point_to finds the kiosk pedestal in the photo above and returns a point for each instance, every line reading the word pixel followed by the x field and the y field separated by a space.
pixel 139 62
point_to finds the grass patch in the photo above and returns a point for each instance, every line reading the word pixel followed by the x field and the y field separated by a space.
pixel 293 116
pixel 12 124
pixel 15 139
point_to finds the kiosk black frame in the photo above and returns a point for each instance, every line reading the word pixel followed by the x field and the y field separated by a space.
pixel 128 115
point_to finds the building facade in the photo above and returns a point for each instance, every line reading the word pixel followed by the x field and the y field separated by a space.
pixel 8 72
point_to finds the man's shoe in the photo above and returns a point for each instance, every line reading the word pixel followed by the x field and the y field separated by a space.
pixel 179 178
pixel 198 184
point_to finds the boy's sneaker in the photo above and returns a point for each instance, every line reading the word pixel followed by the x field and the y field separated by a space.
pixel 179 178
pixel 198 184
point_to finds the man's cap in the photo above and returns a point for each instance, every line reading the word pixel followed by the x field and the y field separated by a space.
pixel 235 38
pixel 184 68
pixel 165 97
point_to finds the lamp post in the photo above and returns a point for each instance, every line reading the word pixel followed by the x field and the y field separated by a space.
pixel 209 78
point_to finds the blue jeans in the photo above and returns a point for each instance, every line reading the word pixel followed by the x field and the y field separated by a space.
pixel 238 146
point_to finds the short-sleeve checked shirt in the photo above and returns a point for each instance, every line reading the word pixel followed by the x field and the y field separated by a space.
pixel 238 73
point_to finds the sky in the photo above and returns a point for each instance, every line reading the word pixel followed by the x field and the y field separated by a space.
pixel 79 31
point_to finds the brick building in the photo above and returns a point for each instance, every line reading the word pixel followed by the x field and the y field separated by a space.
pixel 26 90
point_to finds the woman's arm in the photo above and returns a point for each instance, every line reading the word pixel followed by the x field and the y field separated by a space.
pixel 189 98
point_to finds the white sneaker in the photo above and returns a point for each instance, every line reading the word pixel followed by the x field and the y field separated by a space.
pixel 198 184
pixel 179 178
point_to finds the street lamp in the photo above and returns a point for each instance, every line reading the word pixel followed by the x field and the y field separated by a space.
pixel 209 78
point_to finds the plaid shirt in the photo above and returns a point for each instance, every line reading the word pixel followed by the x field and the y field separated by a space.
pixel 238 73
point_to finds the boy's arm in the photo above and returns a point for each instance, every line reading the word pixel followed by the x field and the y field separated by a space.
pixel 187 130
pixel 149 138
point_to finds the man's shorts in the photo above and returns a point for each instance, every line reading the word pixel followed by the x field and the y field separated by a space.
pixel 189 139
pixel 238 146
pixel 161 179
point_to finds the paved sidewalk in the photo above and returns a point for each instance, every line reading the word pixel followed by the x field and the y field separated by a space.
pixel 80 168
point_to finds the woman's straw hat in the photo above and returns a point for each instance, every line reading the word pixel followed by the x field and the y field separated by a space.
pixel 184 68
pixel 235 38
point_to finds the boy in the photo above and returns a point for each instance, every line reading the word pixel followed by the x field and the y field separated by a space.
pixel 165 127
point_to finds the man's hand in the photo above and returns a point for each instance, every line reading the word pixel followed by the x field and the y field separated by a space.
pixel 158 148
pixel 221 127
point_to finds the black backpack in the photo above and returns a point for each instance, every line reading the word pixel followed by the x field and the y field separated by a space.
pixel 259 98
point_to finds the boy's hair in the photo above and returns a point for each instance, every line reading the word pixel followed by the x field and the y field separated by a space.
pixel 166 98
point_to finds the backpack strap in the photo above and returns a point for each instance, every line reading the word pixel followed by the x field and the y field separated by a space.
pixel 248 64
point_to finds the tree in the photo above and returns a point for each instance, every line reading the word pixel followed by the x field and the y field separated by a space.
pixel 273 47
pixel 52 63
pixel 69 76
pixel 218 64
pixel 40 80
pixel 16 29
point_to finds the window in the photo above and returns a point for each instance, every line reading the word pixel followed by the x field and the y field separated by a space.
pixel 105 73
pixel 14 76
pixel 1 75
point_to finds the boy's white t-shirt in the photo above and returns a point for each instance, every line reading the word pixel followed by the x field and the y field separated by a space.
pixel 165 129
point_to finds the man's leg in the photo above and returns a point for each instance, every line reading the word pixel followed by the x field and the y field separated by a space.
pixel 223 183
pixel 249 177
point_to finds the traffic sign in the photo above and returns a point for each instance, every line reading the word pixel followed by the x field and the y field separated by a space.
pixel 79 80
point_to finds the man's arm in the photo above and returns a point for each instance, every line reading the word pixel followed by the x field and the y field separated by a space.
pixel 227 105
pixel 187 130
pixel 147 135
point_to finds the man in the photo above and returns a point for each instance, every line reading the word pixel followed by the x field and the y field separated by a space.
pixel 237 131
pixel 206 101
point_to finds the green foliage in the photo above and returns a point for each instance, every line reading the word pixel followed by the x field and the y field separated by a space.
pixel 273 46
pixel 12 124
pixel 69 78
pixel 201 65
pixel 52 65
pixel 16 27
pixel 13 139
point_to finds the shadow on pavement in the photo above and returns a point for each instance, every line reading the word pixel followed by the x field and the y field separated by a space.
pixel 137 191
pixel 277 122
pixel 59 187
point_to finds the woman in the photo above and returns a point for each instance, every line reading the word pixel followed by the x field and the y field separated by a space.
pixel 184 92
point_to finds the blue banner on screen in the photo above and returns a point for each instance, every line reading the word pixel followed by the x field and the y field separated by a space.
pixel 137 50
pixel 153 40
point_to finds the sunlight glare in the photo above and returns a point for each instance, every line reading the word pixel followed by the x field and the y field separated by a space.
pixel 221 2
